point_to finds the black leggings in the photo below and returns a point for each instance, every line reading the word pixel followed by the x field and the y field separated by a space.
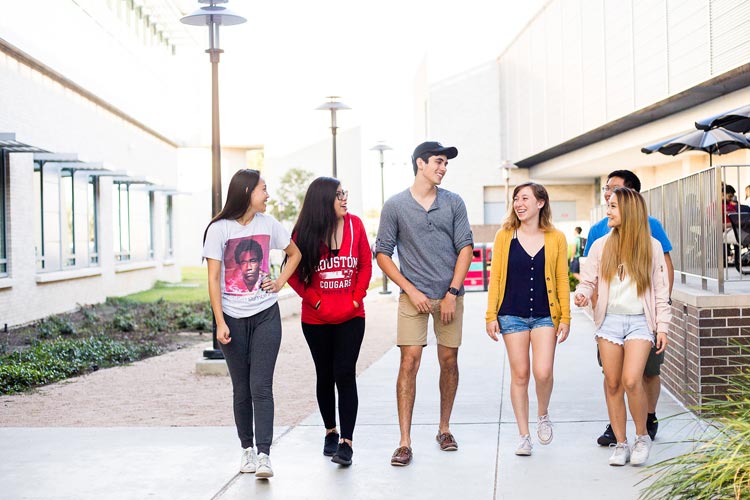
pixel 335 349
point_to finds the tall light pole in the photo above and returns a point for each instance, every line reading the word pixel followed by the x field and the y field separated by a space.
pixel 505 168
pixel 333 105
pixel 214 15
pixel 380 147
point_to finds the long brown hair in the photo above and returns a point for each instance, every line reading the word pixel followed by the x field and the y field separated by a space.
pixel 512 221
pixel 629 244
pixel 238 196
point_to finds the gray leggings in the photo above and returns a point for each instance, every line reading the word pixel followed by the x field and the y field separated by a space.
pixel 251 359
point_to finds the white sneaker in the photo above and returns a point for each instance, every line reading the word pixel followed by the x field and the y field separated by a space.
pixel 641 449
pixel 544 429
pixel 524 446
pixel 621 455
pixel 264 469
pixel 249 461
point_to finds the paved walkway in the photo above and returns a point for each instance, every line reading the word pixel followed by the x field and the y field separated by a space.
pixel 200 463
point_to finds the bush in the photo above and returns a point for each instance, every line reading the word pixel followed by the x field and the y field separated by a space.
pixel 55 326
pixel 124 322
pixel 48 362
pixel 718 465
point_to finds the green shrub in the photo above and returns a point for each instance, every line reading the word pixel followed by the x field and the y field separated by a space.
pixel 48 362
pixel 718 465
pixel 55 326
pixel 124 322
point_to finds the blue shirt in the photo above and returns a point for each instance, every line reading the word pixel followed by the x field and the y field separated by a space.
pixel 601 229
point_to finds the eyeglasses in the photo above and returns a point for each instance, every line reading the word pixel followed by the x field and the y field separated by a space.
pixel 606 189
pixel 342 195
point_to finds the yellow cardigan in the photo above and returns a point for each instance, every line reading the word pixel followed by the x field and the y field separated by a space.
pixel 555 273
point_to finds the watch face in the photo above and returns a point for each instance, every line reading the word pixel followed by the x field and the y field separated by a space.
pixel 453 291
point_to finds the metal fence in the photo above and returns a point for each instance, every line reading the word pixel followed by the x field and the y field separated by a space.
pixel 691 209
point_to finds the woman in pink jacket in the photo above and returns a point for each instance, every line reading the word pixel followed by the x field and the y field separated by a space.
pixel 627 273
pixel 332 279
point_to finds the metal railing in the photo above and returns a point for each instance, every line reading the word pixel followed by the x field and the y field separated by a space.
pixel 692 209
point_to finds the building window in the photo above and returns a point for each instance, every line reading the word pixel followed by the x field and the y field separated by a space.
pixel 67 218
pixel 121 220
pixel 133 217
pixel 65 204
pixel 169 230
pixel 92 198
pixel 3 214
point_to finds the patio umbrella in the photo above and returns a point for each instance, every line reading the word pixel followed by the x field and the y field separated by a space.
pixel 736 120
pixel 715 141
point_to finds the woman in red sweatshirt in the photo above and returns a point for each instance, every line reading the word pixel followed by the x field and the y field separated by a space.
pixel 332 280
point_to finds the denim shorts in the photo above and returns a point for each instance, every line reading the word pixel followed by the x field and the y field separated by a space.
pixel 513 324
pixel 617 328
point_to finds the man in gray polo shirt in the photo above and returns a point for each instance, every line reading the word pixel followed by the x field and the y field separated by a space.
pixel 430 227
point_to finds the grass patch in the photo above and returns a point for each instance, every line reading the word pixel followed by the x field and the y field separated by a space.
pixel 192 288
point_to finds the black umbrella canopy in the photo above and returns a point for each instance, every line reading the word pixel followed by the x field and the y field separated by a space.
pixel 736 120
pixel 715 141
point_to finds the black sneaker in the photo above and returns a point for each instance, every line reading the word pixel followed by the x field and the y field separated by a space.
pixel 607 438
pixel 331 443
pixel 652 425
pixel 343 454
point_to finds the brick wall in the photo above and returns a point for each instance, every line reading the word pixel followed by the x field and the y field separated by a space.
pixel 704 347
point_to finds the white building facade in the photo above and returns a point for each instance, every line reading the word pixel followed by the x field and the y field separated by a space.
pixel 94 137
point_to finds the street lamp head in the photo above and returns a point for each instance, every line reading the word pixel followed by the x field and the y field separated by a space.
pixel 333 104
pixel 381 146
pixel 213 13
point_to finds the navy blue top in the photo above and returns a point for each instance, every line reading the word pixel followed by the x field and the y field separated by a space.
pixel 525 289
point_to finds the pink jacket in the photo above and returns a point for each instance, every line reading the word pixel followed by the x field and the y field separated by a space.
pixel 655 299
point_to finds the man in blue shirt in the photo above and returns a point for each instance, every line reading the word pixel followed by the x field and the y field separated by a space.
pixel 651 375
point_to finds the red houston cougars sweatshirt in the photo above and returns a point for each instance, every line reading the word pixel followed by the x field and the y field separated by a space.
pixel 337 279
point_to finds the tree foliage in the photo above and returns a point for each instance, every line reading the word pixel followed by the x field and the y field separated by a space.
pixel 290 193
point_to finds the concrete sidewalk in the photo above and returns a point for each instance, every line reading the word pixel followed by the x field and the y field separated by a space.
pixel 201 463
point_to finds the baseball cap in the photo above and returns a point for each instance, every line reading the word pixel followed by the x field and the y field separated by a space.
pixel 435 148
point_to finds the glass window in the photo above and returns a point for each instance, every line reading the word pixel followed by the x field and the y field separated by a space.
pixel 67 219
pixel 92 197
pixel 39 217
pixel 121 220
pixel 169 233
pixel 3 215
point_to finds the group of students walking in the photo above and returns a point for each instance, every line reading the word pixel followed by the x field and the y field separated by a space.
pixel 328 263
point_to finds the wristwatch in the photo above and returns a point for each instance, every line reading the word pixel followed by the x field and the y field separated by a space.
pixel 669 302
pixel 453 291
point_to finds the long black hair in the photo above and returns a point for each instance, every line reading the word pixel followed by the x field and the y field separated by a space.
pixel 238 196
pixel 316 224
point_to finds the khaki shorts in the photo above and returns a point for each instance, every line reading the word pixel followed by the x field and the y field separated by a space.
pixel 412 325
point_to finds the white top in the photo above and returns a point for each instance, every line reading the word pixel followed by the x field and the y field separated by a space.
pixel 244 255
pixel 623 297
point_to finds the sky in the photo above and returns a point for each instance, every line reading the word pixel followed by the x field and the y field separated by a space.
pixel 281 64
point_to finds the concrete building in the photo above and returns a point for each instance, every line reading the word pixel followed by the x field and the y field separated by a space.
pixel 97 151
pixel 577 94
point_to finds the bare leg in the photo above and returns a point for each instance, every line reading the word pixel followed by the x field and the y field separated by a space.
pixel 517 347
pixel 406 389
pixel 543 343
pixel 636 354
pixel 448 358
pixel 612 361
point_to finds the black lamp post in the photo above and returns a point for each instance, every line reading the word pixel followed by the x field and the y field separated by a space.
pixel 214 15
pixel 380 147
pixel 333 105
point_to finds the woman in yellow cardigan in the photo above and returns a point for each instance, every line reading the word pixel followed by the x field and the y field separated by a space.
pixel 529 306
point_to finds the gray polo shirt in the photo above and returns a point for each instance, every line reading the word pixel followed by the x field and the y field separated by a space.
pixel 428 241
